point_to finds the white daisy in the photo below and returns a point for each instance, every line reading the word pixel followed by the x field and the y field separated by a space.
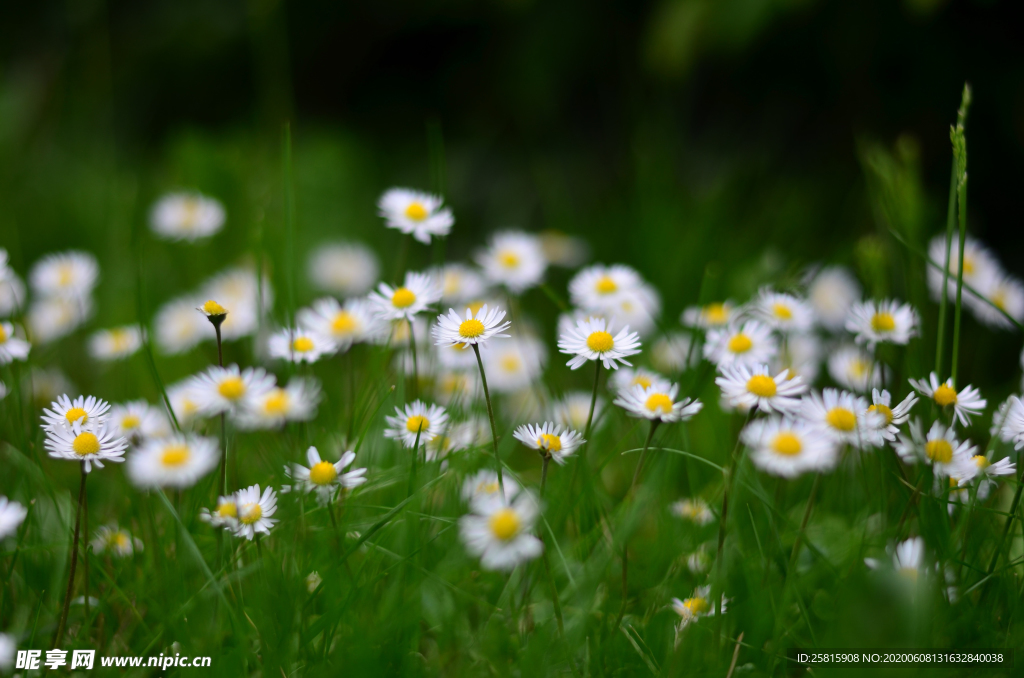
pixel 625 378
pixel 831 292
pixel 515 364
pixel 699 561
pixel 137 420
pixel 500 532
pixel 415 212
pixel 788 447
pixel 1005 292
pixel 979 263
pixel 460 283
pixel 696 606
pixel 457 387
pixel 240 291
pixel 225 515
pixel 657 402
pixel 313 581
pixel 11 347
pixel 748 344
pixel 854 368
pixel 564 250
pixel 176 461
pixel 178 328
pixel 399 333
pixel 801 355
pixel 273 407
pixel 116 343
pixel 894 417
pixel 344 269
pixel 939 448
pixel 716 315
pixel 11 516
pixel 51 318
pixel 483 492
pixel 474 328
pixel 12 289
pixel 674 352
pixel 299 345
pixel 573 408
pixel 592 339
pixel 91 446
pixel 746 388
pixel 186 216
pixel 456 437
pixel 70 275
pixel 987 472
pixel 226 389
pixel 418 421
pixel 455 356
pixel 254 511
pixel 967 403
pixel 418 291
pixel 599 287
pixel 115 541
pixel 46 385
pixel 551 439
pixel 322 477
pixel 89 411
pixel 844 418
pixel 783 312
pixel 908 558
pixel 887 321
pixel 638 307
pixel 185 398
pixel 342 325
pixel 1012 417
pixel 514 259
pixel 694 510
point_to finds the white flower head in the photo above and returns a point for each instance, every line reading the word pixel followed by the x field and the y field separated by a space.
pixel 967 403
pixel 751 344
pixel 783 312
pixel 300 345
pixel 344 269
pixel 657 402
pixel 456 437
pixel 979 263
pixel 1012 418
pixel 417 292
pixel 592 339
pixel 115 344
pixel 344 325
pixel 254 511
pixel 696 606
pixel 801 355
pixel 137 420
pixel 1000 293
pixel 854 368
pixel 887 321
pixel 185 398
pixel 747 388
pixel 515 364
pixel 271 408
pixel 460 283
pixel 89 411
pixel 225 515
pixel 417 422
pixel 415 212
pixel 227 389
pixel 908 558
pixel 11 516
pixel 69 275
pixel 475 328
pixel 831 292
pixel 11 347
pixel 324 478
pixel 564 250
pixel 572 409
pixel 483 492
pixel 844 418
pixel 239 291
pixel 12 289
pixel 551 439
pixel 115 541
pixel 891 417
pixel 940 448
pixel 716 315
pixel 674 352
pixel 514 259
pixel 186 216
pixel 694 510
pixel 987 472
pixel 500 532
pixel 175 461
pixel 51 318
pixel 788 447
pixel 178 328
pixel 599 287
pixel 91 446
pixel 625 378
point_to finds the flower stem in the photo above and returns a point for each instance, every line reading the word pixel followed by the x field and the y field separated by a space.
pixel 629 495
pixel 593 400
pixel 490 416
pixel 803 523
pixel 74 563
pixel 544 472
pixel 643 456
pixel 223 430
pixel 950 221
pixel 415 361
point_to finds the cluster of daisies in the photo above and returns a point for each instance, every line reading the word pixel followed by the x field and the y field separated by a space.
pixel 989 291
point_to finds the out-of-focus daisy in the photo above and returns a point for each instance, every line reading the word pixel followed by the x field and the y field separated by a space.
pixel 500 532
pixel 598 287
pixel 801 355
pixel 887 321
pixel 456 356
pixel 456 437
pixel 657 402
pixel 892 417
pixel 46 385
pixel 240 291
pixel 716 315
pixel 696 606
pixel 64 413
pixel 788 447
pixel 940 448
pixel 138 420
pixel 831 292
pixel 908 558
pixel 344 269
pixel 415 212
pixel 483 492
pixel 749 344
pixel 474 328
pixel 638 307
pixel 399 333
pixel 178 328
pixel 313 581
pixel 273 407
pixel 514 259
pixel 418 291
pixel 175 461
pixel 91 446
pixel 115 541
pixel 699 561
pixel 573 408
pixel 116 343
pixel 185 398
pixel 592 339
pixel 299 345
pixel 624 379
pixel 12 289
pixel 551 439
pixel 854 368
pixel 225 515
pixel 3 390
pixel 1012 418
pixel 456 386
pixel 51 318
pixel 11 347
pixel 418 421
pixel 987 472
pixel 844 418
pixel 225 389
pixel 459 283
pixel 11 516
pixel 254 511
pixel 694 510
pixel 515 364
pixel 186 216
pixel 979 263
pixel 343 325
pixel 783 312
pixel 323 477
pixel 1002 290
pixel 564 250
pixel 671 352
pixel 71 275
pixel 746 388
pixel 967 403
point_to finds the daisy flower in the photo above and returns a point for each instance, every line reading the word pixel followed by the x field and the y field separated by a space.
pixel 747 388
pixel 694 510
pixel 419 291
pixel 186 216
pixel 457 386
pixel 598 287
pixel 894 417
pixel 967 403
pixel 185 398
pixel 564 250
pixel 783 312
pixel 69 275
pixel 138 420
pixel 697 606
pixel 342 325
pixel 46 385
pixel 475 328
pixel 178 328
pixel 844 418
pixel 225 389
pixel 624 379
pixel 854 368
pixel 51 318
pixel 939 448
pixel 673 352
pixel 418 421
pixel 11 516
pixel 887 321
pixel 176 461
pixel 240 291
pixel 550 439
pixel 456 437
pixel 1003 291
pixel 988 472
pixel 344 269
pixel 313 581
pixel 638 307
pixel 225 515
pixel 699 561
pixel 460 283
pixel 748 344
pixel 299 345
pixel 12 289
pixel 514 259
pixel 483 493
pixel 572 409
pixel 716 315
pixel 909 557
pixel 273 407
pixel 116 343
pixel 657 402
pixel 831 292
pixel 322 477
pixel 89 411
pixel 112 539
pixel 499 532
pixel 1012 427
pixel 515 364
pixel 801 355
pixel 8 648
pixel 979 263
pixel 788 447
pixel 455 356
pixel 592 339
pixel 11 347
pixel 415 212
pixel 92 446
pixel 254 511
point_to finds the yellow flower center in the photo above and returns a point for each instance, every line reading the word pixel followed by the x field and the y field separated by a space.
pixel 251 513
pixel 65 274
pixel 600 341
pixel 882 409
pixel 85 444
pixel 277 402
pixel 120 339
pixel 343 323
pixel 740 343
pixel 487 488
pixel 968 265
pixel 416 211
pixel 417 423
pixel 998 298
pixel 716 314
pixel 605 285
pixel 119 540
pixel 403 298
pixel 232 388
pixel 508 259
pixel 782 312
pixel 696 606
pixel 841 419
pixel 510 363
pixel 175 455
pixel 475 306
pixel 659 402
pixel 228 509
pixel 859 367
pixel 470 329
pixel 944 395
pixel 762 386
pixel 787 443
pixel 322 473
pixel 3 334
pixel 550 442
pixel 939 450
pixel 76 413
pixel 129 421
pixel 883 322
pixel 302 345
pixel 504 524
pixel 981 461
pixel 641 380
pixel 211 307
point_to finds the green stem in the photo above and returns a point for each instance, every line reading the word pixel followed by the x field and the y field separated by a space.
pixel 415 361
pixel 962 201
pixel 74 563
pixel 544 472
pixel 950 221
pixel 490 416
pixel 289 214
pixel 625 542
pixel 803 523
pixel 1009 521
pixel 643 456
pixel 593 400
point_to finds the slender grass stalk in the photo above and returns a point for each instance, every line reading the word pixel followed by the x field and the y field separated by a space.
pixel 950 222
pixel 1009 521
pixel 415 362
pixel 85 554
pixel 959 140
pixel 544 472
pixel 625 542
pixel 730 474
pixel 289 217
pixel 490 416
pixel 593 400
pixel 803 523
pixel 62 624
pixel 643 456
